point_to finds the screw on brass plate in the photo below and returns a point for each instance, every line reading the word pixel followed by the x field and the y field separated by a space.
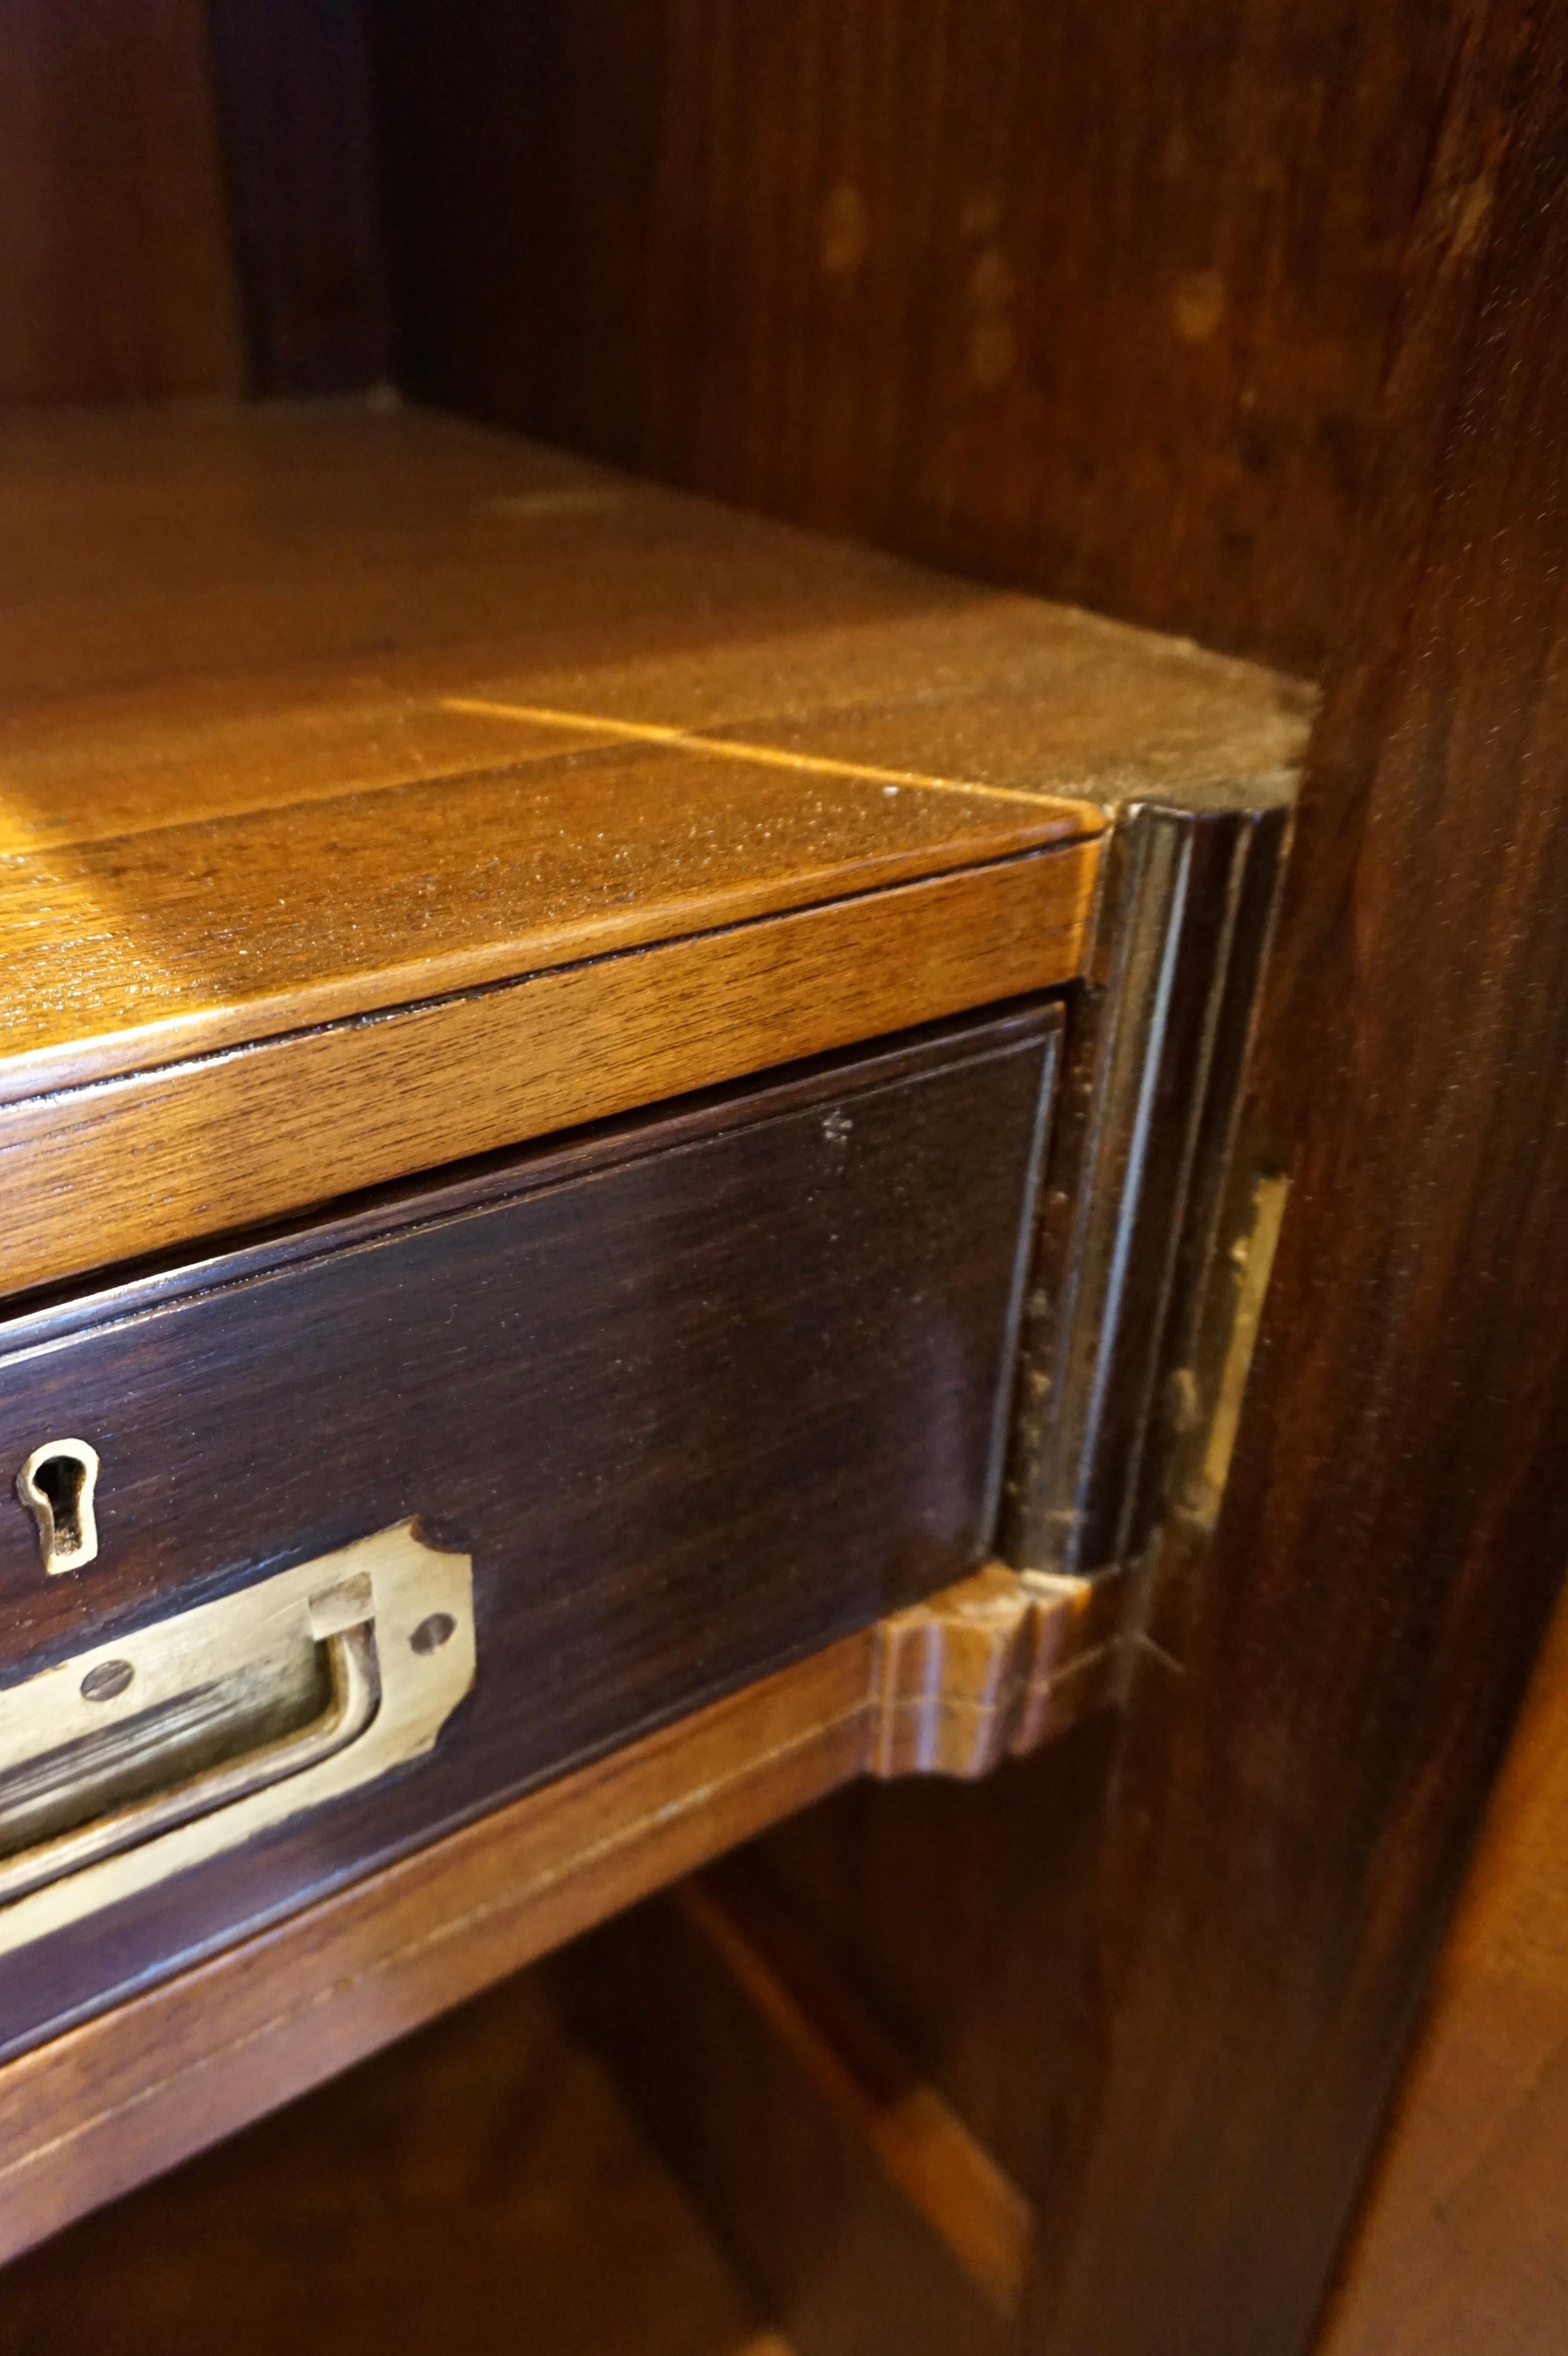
pixel 431 1633
pixel 56 1484
pixel 107 1680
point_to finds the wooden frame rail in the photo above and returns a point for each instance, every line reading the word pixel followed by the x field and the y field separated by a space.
pixel 994 1666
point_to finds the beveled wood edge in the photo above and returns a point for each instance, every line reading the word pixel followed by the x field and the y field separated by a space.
pixel 539 1164
pixel 110 1173
pixel 120 1052
pixel 131 2092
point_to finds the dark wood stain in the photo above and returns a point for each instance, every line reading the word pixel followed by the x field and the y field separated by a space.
pixel 117 281
pixel 694 1412
pixel 1308 1753
pixel 1095 299
pixel 294 82
pixel 839 2253
pixel 1129 1221
pixel 1459 2248
pixel 957 1912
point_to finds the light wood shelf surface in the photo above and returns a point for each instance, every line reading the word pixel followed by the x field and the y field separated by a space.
pixel 578 791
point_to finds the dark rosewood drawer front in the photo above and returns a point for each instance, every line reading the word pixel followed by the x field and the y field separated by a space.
pixel 695 1397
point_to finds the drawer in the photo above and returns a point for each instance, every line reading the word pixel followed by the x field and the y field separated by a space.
pixel 678 1401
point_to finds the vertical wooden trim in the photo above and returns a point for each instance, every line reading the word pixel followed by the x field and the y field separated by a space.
pixel 1329 1684
pixel 1137 1171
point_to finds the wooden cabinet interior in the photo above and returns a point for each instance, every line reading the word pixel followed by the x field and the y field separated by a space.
pixel 1259 344
pixel 479 2178
pixel 485 830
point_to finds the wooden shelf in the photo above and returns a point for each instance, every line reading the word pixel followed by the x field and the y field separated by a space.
pixel 484 2170
pixel 591 793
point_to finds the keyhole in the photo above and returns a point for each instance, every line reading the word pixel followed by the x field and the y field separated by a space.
pixel 57 1484
pixel 62 1480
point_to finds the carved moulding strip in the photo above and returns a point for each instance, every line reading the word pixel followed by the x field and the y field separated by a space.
pixel 989 1669
pixel 1132 1207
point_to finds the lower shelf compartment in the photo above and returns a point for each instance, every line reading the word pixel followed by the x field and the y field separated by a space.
pixel 481 2187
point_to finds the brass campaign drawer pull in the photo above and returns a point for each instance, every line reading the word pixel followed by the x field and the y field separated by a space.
pixel 139 1757
pixel 356 1689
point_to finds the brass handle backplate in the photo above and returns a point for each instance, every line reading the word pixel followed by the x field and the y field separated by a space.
pixel 133 1761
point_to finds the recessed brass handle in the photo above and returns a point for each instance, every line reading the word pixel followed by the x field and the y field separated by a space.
pixel 135 1760
pixel 356 1689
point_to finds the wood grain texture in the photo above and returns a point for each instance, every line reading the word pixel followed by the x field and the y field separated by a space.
pixel 693 1407
pixel 84 2118
pixel 1094 298
pixel 108 1172
pixel 991 1668
pixel 483 2171
pixel 210 861
pixel 116 275
pixel 984 1987
pixel 1139 1166
pixel 318 559
pixel 137 953
pixel 1314 1726
pixel 1459 2246
pixel 984 1990
pixel 316 714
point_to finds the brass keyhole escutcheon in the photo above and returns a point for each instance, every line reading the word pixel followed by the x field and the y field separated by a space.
pixel 57 1485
